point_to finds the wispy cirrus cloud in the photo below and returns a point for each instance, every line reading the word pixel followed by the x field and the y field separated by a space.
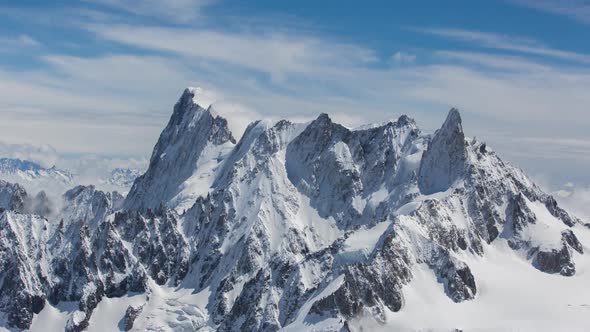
pixel 17 43
pixel 504 62
pixel 504 42
pixel 403 57
pixel 576 9
pixel 181 11
pixel 277 54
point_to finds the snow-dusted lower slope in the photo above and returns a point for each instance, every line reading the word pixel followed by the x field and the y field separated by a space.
pixel 511 297
pixel 303 227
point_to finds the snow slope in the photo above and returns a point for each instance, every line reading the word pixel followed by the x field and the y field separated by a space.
pixel 511 297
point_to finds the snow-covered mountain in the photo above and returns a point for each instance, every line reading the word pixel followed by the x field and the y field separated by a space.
pixel 35 177
pixel 301 227
pixel 12 196
pixel 183 163
pixel 25 170
pixel 123 177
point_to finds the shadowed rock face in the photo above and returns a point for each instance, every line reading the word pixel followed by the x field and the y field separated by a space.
pixel 21 288
pixel 300 222
pixel 560 260
pixel 131 315
pixel 13 196
pixel 333 165
pixel 444 162
pixel 191 131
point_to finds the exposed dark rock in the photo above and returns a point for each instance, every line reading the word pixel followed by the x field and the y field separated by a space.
pixel 13 197
pixel 457 278
pixel 131 314
pixel 556 261
pixel 568 236
pixel 559 213
pixel 444 161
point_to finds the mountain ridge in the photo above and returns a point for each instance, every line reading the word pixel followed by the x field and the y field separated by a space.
pixel 294 227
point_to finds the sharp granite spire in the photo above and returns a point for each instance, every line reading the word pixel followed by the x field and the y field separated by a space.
pixel 443 162
pixel 191 145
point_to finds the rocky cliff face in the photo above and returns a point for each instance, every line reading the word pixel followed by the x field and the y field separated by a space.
pixel 295 224
pixel 12 196
pixel 444 162
pixel 184 159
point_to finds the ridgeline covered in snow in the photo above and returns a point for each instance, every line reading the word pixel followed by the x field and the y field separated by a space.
pixel 296 227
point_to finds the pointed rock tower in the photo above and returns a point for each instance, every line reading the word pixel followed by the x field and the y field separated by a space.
pixel 444 161
pixel 195 138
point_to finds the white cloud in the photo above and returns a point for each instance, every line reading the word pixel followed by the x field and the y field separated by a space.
pixel 27 41
pixel 45 155
pixel 91 169
pixel 576 9
pixel 17 43
pixel 403 57
pixel 534 98
pixel 277 54
pixel 503 62
pixel 576 200
pixel 173 10
pixel 504 42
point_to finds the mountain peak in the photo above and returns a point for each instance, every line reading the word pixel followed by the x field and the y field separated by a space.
pixel 443 162
pixel 324 117
pixel 190 93
pixel 319 223
pixel 186 104
pixel 194 137
pixel 453 121
pixel 188 96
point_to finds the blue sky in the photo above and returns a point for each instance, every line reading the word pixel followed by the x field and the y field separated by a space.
pixel 100 76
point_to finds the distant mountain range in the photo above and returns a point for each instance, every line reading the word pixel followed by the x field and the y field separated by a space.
pixel 30 172
pixel 123 177
pixel 26 170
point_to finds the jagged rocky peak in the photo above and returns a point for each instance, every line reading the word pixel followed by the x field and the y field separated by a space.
pixel 12 196
pixel 339 168
pixel 88 205
pixel 23 241
pixel 185 157
pixel 15 198
pixel 444 161
pixel 295 227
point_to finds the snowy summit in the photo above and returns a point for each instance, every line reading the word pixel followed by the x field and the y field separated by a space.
pixel 298 227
